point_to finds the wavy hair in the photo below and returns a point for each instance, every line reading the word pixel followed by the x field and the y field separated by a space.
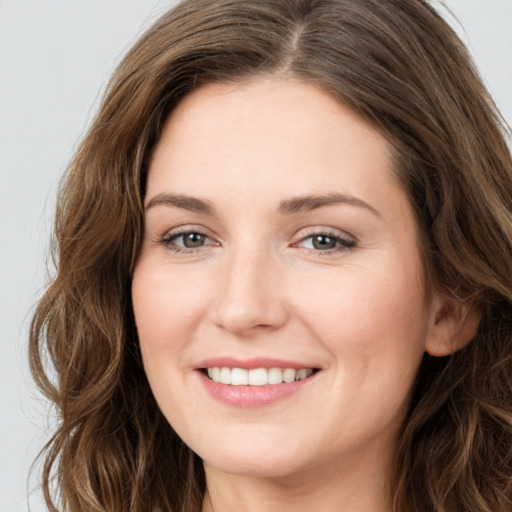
pixel 399 66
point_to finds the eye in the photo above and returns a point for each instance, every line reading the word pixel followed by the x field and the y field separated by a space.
pixel 186 241
pixel 190 240
pixel 326 242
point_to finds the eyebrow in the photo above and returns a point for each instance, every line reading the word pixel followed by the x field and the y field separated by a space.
pixel 307 203
pixel 300 204
pixel 192 204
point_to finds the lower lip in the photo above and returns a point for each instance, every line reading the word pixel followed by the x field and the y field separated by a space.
pixel 252 396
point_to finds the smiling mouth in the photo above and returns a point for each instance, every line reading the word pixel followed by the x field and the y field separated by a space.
pixel 257 376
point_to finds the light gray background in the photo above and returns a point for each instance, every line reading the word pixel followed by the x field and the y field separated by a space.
pixel 55 58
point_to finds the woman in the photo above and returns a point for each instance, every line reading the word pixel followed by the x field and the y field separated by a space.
pixel 284 270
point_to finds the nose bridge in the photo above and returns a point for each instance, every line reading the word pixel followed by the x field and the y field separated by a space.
pixel 250 293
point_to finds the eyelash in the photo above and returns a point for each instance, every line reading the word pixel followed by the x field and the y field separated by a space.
pixel 342 244
pixel 169 240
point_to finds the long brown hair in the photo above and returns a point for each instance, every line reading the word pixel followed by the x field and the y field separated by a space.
pixel 400 66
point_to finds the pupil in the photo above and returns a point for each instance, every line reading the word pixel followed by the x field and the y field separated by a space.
pixel 192 240
pixel 323 242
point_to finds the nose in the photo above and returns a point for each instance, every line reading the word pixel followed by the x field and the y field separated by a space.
pixel 251 294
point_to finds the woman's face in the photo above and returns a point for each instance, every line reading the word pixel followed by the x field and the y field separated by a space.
pixel 278 240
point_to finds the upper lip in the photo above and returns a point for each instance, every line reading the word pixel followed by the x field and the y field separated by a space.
pixel 250 364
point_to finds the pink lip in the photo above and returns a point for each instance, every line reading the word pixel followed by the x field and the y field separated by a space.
pixel 249 364
pixel 251 396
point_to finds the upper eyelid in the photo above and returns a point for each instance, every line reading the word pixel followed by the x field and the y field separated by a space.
pixel 168 237
pixel 181 230
pixel 324 230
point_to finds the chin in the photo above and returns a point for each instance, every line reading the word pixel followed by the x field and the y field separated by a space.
pixel 260 467
pixel 255 457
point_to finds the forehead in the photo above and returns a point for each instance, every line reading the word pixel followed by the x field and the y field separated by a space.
pixel 265 126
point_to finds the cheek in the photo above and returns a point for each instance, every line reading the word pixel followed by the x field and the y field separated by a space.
pixel 167 309
pixel 366 299
pixel 374 322
pixel 166 306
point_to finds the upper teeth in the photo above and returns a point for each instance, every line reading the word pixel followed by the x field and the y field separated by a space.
pixel 257 376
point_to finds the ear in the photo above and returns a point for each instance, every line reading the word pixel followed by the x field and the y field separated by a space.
pixel 452 326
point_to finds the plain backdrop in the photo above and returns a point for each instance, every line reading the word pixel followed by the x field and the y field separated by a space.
pixel 55 59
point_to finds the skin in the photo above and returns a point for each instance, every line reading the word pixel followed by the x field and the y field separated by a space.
pixel 258 287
